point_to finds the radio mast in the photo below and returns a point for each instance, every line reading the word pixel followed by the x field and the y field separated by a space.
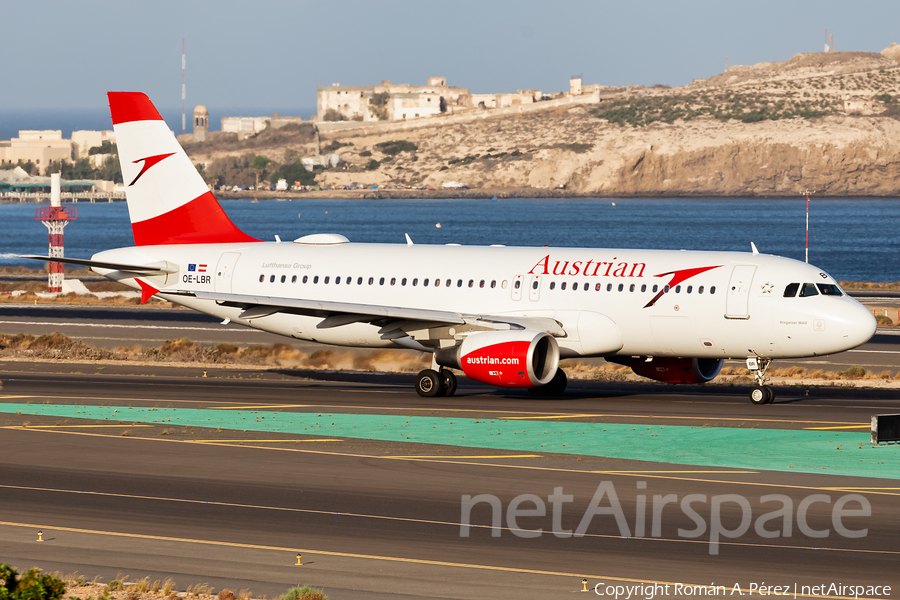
pixel 183 122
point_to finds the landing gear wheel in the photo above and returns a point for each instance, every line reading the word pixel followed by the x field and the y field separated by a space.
pixel 429 383
pixel 555 387
pixel 761 394
pixel 449 382
pixel 771 394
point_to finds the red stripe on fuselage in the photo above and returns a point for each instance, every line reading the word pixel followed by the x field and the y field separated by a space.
pixel 200 221
pixel 131 106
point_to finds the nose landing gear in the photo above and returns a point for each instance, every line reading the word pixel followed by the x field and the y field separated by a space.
pixel 761 393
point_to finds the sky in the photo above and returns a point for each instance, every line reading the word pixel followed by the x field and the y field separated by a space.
pixel 66 54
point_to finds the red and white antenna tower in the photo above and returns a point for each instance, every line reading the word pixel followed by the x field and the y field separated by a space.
pixel 55 217
pixel 183 121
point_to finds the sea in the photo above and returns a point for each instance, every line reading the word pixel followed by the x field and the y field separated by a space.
pixel 852 239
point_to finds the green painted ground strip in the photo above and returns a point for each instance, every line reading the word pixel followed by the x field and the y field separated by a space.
pixel 835 453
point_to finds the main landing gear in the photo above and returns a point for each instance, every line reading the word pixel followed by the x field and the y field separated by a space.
pixel 761 393
pixel 431 383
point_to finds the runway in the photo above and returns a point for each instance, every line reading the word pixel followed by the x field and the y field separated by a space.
pixel 215 480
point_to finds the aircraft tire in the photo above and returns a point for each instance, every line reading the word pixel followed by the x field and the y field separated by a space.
pixel 771 393
pixel 760 394
pixel 450 383
pixel 429 383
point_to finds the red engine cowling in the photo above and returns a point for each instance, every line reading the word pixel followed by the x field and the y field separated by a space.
pixel 677 370
pixel 522 358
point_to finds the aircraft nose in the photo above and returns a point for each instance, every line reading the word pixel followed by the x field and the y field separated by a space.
pixel 859 325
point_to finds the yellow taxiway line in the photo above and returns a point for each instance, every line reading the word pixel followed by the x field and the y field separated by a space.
pixel 400 559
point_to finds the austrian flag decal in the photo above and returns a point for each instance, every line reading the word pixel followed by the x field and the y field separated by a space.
pixel 196 268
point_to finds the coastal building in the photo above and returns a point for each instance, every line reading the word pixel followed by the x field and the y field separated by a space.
pixel 18 180
pixel 84 140
pixel 38 146
pixel 388 101
pixel 201 123
pixel 247 126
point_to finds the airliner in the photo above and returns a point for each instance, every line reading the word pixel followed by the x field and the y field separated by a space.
pixel 503 316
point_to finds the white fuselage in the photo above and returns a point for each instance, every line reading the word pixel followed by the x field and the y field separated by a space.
pixel 736 308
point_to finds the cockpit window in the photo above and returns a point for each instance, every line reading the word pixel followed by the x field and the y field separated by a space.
pixel 808 289
pixel 791 290
pixel 829 289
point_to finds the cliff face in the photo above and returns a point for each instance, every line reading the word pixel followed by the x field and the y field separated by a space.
pixel 697 140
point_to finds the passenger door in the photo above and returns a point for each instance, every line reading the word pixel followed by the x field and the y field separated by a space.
pixel 738 296
pixel 225 271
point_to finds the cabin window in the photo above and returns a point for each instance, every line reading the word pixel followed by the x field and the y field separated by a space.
pixel 459 283
pixel 621 286
pixel 294 279
pixel 327 278
pixel 272 279
pixel 575 286
pixel 631 288
pixel 449 281
pixel 415 282
pixel 381 281
pixel 359 281
pixel 337 280
pixel 393 280
pixel 608 287
pixel 552 285
pixel 644 288
pixel 349 280
pixel 471 282
pixel 700 290
pixel 262 278
pixel 283 278
pixel 666 289
pixel 655 288
pixel 316 279
pixel 305 278
pixel 371 280
pixel 562 286
pixel 597 287
pixel 481 283
pixel 437 283
pixel 808 289
pixel 829 289
pixel 677 289
pixel 425 282
pixel 403 281
pixel 712 290
pixel 494 283
pixel 519 284
pixel 534 285
pixel 690 289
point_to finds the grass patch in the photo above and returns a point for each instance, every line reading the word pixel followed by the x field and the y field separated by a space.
pixel 304 593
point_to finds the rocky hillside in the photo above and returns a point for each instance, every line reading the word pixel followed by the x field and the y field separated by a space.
pixel 827 122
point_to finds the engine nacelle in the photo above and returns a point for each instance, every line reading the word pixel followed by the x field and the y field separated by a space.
pixel 676 370
pixel 523 358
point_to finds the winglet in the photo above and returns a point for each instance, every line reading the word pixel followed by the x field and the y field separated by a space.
pixel 753 247
pixel 147 291
pixel 409 241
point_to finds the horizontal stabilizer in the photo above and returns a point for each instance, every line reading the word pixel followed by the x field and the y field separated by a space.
pixel 151 269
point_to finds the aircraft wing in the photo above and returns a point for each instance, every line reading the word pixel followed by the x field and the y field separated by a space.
pixel 159 268
pixel 394 318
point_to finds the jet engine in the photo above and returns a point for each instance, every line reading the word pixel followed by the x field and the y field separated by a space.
pixel 675 370
pixel 523 358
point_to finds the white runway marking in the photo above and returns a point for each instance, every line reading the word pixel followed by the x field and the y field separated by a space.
pixel 126 326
